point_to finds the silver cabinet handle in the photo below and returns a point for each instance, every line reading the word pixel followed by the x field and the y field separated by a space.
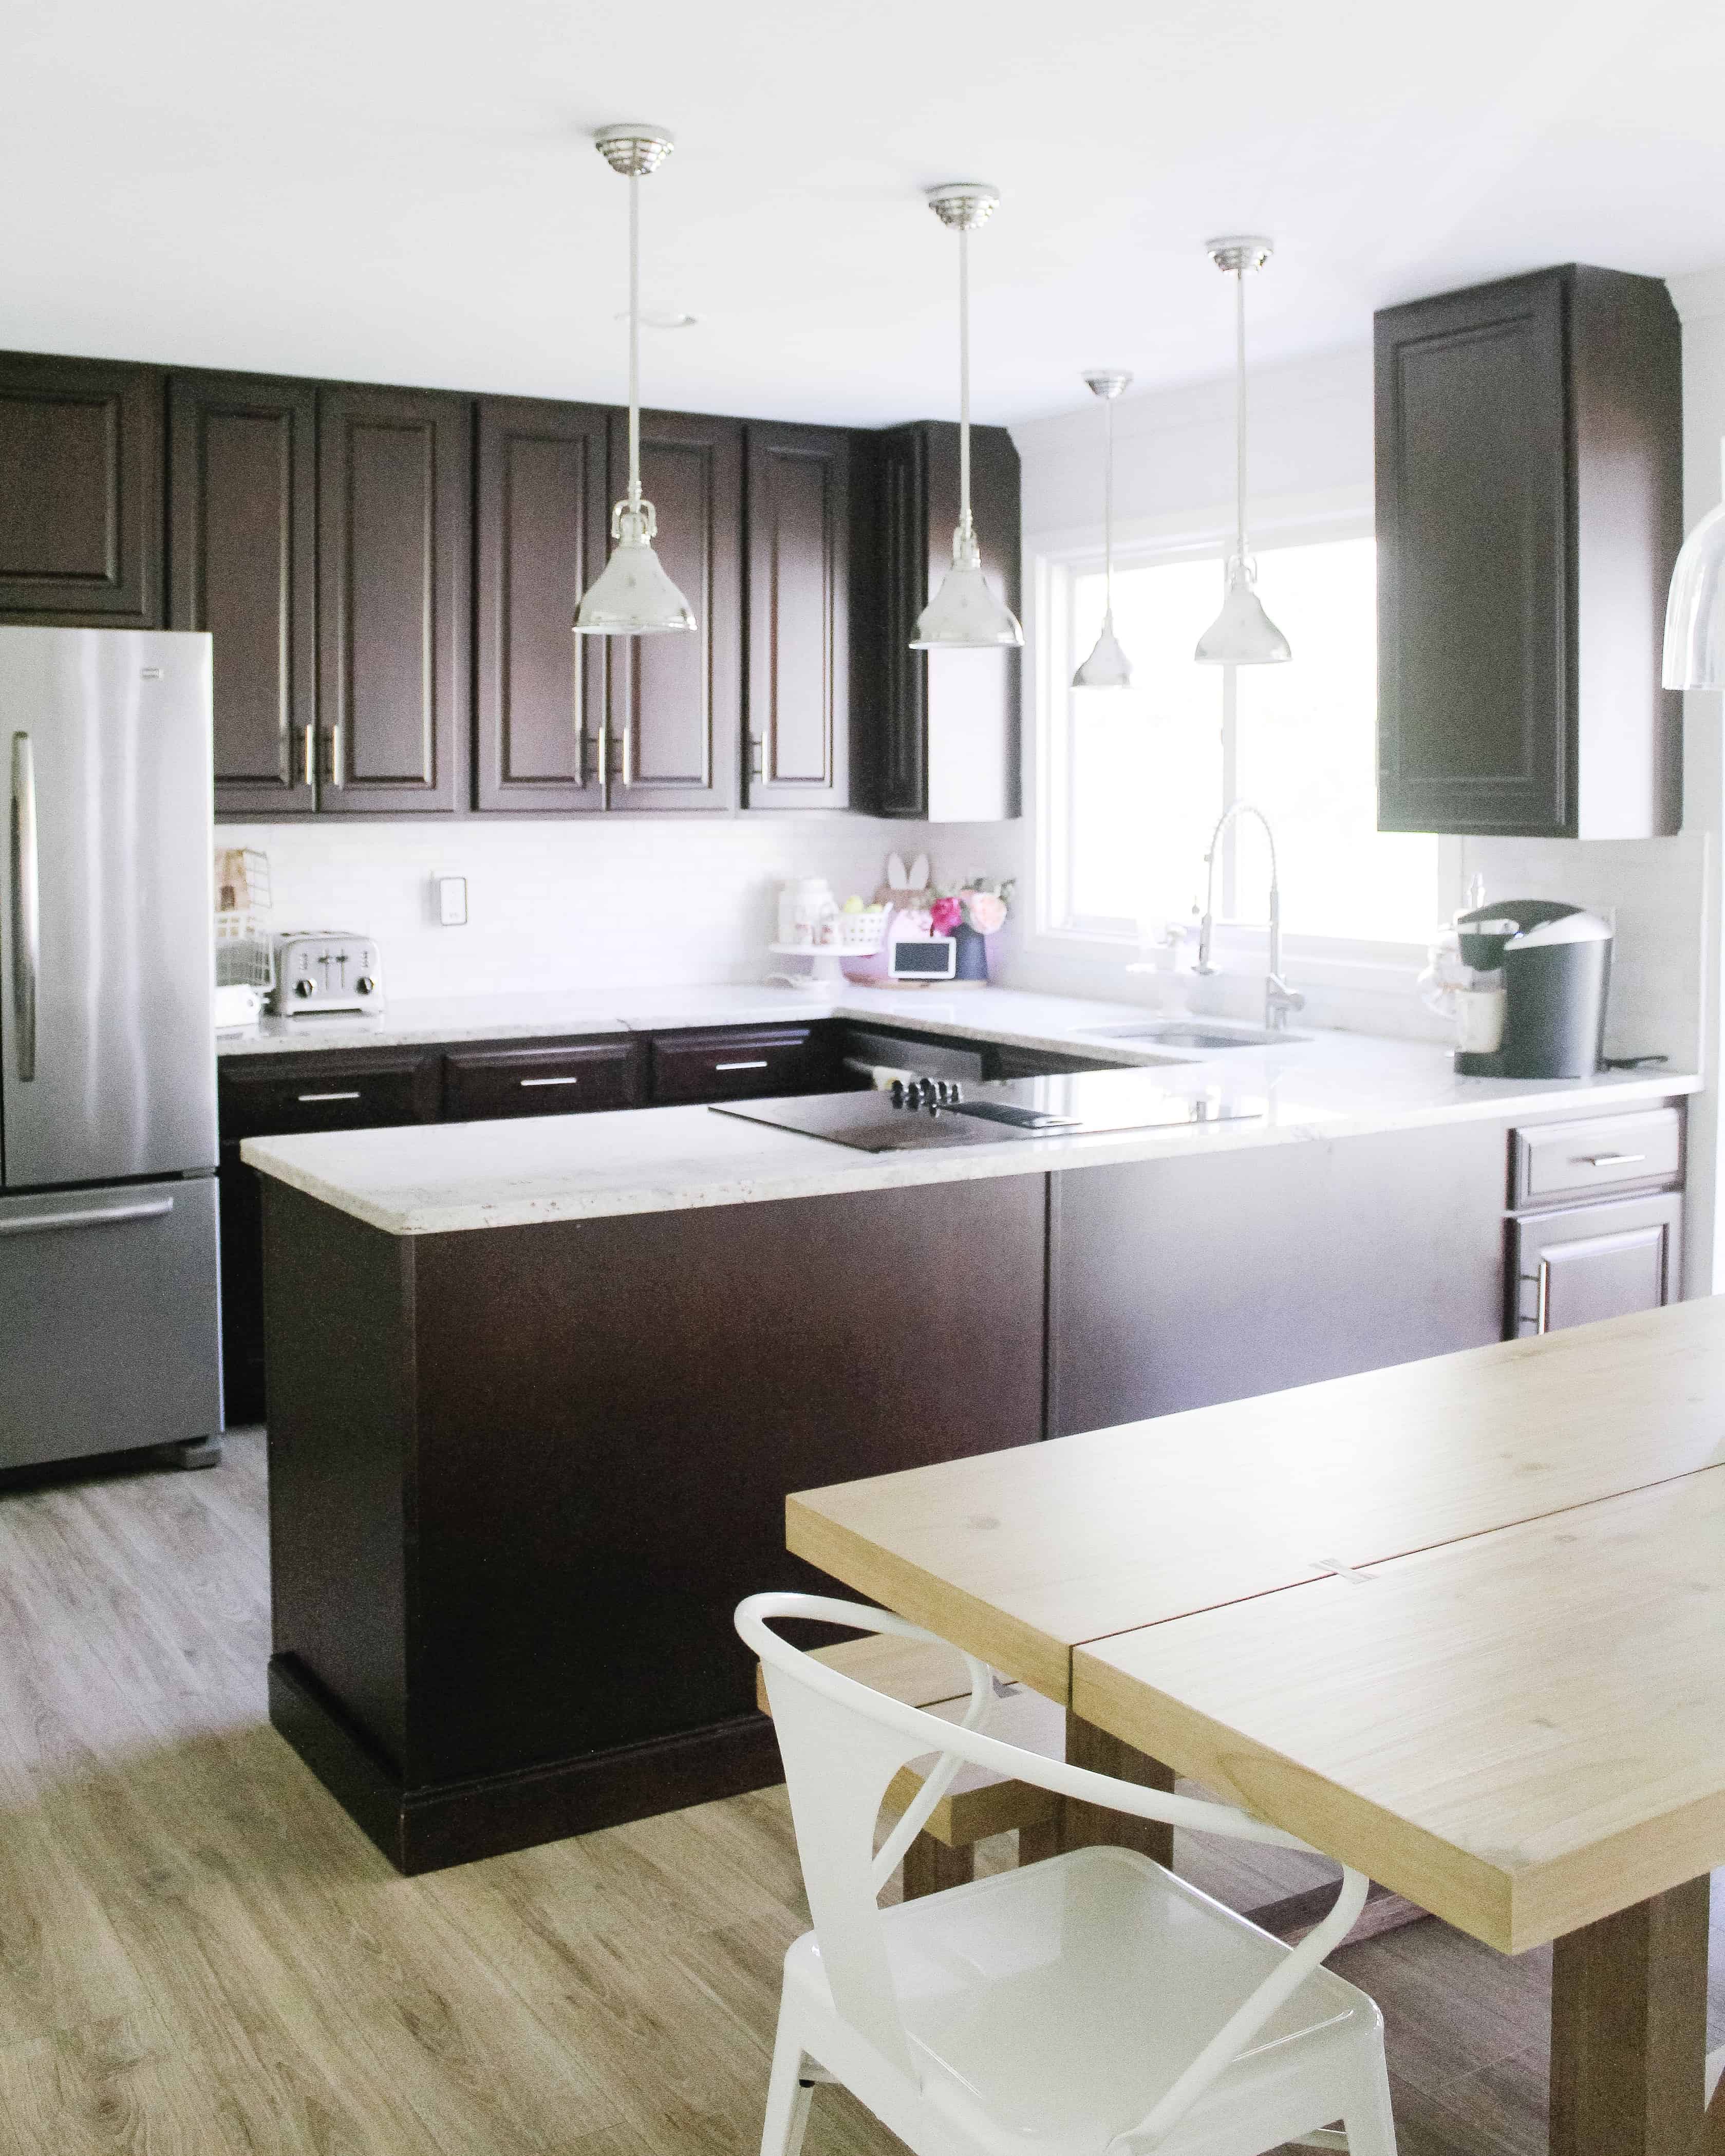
pixel 759 1064
pixel 758 757
pixel 1607 1159
pixel 311 755
pixel 94 1216
pixel 327 1096
pixel 26 904
pixel 626 743
pixel 549 1081
pixel 336 777
pixel 1541 1308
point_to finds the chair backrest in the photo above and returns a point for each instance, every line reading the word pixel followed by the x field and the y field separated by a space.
pixel 842 1743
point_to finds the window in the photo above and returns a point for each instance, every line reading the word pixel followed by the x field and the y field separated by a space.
pixel 1132 783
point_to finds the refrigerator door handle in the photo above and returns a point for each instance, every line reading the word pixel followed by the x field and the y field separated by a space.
pixel 26 904
pixel 92 1216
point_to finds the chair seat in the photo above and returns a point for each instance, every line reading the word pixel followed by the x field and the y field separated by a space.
pixel 1064 1999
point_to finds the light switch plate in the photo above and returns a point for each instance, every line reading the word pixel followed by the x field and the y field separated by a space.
pixel 451 901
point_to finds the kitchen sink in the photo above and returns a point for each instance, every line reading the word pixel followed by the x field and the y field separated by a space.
pixel 1193 1033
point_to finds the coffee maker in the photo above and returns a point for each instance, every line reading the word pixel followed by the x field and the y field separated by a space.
pixel 1531 1001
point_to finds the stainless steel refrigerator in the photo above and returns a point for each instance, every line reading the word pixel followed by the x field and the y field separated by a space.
pixel 109 1312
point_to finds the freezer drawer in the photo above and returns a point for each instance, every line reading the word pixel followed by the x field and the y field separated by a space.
pixel 110 1320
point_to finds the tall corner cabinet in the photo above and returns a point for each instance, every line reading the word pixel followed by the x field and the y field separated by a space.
pixel 797 703
pixel 1529 511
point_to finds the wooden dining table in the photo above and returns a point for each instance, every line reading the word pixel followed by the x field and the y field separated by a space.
pixel 1459 1623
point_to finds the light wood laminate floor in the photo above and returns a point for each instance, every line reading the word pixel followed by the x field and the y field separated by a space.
pixel 201 1954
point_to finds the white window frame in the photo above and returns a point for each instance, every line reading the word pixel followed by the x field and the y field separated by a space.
pixel 1052 559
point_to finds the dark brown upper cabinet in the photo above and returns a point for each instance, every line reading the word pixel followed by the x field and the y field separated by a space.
pixel 543 519
pixel 942 727
pixel 394 500
pixel 243 564
pixel 798 696
pixel 80 492
pixel 1529 473
pixel 675 702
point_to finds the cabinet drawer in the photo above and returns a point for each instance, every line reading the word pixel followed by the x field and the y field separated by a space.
pixel 1593 1261
pixel 740 1066
pixel 1571 1160
pixel 330 1096
pixel 482 1083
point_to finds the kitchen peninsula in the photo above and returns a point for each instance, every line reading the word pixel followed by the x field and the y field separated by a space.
pixel 538 1387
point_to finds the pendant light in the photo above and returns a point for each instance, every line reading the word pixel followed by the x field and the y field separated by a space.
pixel 1695 613
pixel 964 614
pixel 1107 666
pixel 1242 634
pixel 633 596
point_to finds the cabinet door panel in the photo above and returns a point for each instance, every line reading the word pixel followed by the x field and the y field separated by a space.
pixel 798 615
pixel 480 1084
pixel 543 512
pixel 394 495
pixel 242 541
pixel 676 700
pixel 744 1065
pixel 1595 1261
pixel 80 492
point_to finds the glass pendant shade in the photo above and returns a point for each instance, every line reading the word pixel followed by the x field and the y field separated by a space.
pixel 1107 666
pixel 1242 634
pixel 1695 613
pixel 632 595
pixel 964 615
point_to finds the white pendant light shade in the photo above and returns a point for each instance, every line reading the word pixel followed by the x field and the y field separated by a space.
pixel 632 595
pixel 1695 613
pixel 964 614
pixel 1242 634
pixel 1107 666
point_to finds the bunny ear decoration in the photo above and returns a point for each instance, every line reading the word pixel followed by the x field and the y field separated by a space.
pixel 919 873
pixel 897 879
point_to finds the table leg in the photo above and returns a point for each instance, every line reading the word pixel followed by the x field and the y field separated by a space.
pixel 1628 2030
pixel 1082 1825
pixel 1712 2139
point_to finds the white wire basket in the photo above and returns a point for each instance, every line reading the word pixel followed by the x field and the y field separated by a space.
pixel 245 948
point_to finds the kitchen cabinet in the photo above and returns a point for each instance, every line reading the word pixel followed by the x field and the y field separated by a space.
pixel 394 506
pixel 798 693
pixel 675 702
pixel 1590 1261
pixel 80 492
pixel 738 1064
pixel 243 564
pixel 570 1078
pixel 543 516
pixel 1528 512
pixel 942 727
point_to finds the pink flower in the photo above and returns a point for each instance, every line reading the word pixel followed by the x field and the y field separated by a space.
pixel 984 912
pixel 944 916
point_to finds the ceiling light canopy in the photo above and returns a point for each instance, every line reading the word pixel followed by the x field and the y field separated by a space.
pixel 633 596
pixel 964 614
pixel 1107 666
pixel 1695 613
pixel 1242 634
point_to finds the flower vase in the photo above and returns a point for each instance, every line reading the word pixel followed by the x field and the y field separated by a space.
pixel 972 961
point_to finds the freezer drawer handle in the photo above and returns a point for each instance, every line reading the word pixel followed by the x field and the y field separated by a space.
pixel 26 904
pixel 1607 1159
pixel 95 1216
pixel 328 1096
pixel 550 1081
pixel 759 1063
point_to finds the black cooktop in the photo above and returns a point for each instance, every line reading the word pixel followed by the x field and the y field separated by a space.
pixel 943 1113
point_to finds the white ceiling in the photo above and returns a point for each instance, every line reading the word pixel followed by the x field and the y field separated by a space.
pixel 405 193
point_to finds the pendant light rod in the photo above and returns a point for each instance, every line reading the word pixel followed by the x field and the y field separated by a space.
pixel 634 340
pixel 1233 256
pixel 964 516
pixel 1242 634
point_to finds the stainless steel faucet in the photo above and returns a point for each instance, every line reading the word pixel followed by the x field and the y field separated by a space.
pixel 1279 999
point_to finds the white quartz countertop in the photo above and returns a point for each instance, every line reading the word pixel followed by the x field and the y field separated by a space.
pixel 442 1177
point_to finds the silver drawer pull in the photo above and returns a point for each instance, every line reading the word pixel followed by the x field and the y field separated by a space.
pixel 329 1096
pixel 94 1216
pixel 549 1081
pixel 759 1064
pixel 1606 1159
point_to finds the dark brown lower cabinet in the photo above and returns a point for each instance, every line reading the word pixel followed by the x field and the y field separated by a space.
pixel 756 1063
pixel 521 1485
pixel 1591 1261
pixel 577 1078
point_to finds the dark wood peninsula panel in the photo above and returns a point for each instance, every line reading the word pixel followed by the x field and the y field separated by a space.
pixel 1529 486
pixel 799 571
pixel 243 564
pixel 80 492
pixel 394 498
pixel 517 1492
pixel 543 514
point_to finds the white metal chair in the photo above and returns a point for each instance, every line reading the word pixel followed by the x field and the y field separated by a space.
pixel 1090 2002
